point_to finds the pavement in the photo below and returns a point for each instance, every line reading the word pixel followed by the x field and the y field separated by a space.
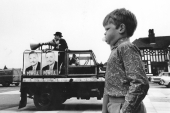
pixel 157 102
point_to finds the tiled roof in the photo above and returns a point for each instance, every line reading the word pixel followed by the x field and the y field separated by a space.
pixel 161 42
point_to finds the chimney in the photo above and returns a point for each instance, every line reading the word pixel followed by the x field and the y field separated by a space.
pixel 152 36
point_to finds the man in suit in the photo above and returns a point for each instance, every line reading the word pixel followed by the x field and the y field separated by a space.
pixel 60 42
pixel 61 46
pixel 35 65
pixel 50 58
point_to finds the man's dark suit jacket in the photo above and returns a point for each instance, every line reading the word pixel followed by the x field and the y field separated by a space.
pixel 63 45
pixel 30 68
pixel 47 67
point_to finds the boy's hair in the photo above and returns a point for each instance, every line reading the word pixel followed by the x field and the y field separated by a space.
pixel 122 16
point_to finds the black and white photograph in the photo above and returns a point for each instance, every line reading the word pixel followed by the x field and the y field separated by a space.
pixel 84 56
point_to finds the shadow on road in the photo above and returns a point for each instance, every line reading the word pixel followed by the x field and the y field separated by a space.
pixel 69 107
pixel 81 107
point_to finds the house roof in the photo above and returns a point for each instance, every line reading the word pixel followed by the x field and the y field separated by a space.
pixel 162 42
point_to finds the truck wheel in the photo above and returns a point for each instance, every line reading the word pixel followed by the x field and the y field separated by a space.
pixel 16 84
pixel 6 84
pixel 43 101
pixel 48 100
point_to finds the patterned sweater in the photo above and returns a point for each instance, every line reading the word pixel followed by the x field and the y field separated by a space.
pixel 125 75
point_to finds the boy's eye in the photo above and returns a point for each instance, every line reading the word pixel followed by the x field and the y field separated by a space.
pixel 107 29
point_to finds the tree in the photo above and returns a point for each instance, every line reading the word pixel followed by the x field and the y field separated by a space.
pixel 5 67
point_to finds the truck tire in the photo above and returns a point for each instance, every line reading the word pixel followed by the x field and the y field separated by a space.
pixel 16 84
pixel 48 100
pixel 6 84
pixel 42 102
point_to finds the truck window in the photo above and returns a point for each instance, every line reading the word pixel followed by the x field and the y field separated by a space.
pixel 80 59
pixel 81 63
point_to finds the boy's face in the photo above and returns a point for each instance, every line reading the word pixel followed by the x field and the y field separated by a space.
pixel 111 34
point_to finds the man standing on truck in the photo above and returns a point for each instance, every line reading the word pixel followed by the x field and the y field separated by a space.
pixel 61 45
pixel 58 40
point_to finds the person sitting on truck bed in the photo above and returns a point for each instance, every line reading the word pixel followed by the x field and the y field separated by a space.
pixel 74 60
pixel 35 64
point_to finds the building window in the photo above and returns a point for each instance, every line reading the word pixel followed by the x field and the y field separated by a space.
pixel 145 65
pixel 153 56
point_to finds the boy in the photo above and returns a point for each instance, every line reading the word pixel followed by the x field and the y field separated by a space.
pixel 126 84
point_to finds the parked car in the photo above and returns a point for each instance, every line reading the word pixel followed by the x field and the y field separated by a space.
pixel 156 79
pixel 165 80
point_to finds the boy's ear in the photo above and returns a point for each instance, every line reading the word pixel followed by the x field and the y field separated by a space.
pixel 122 28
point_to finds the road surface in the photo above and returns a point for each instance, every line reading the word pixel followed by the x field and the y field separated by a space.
pixel 9 99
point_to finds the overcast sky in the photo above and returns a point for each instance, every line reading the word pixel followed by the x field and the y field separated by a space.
pixel 32 21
